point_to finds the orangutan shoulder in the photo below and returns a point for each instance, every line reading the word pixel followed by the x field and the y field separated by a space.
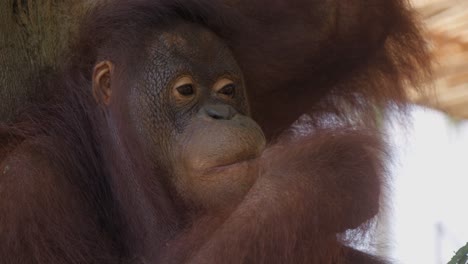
pixel 28 173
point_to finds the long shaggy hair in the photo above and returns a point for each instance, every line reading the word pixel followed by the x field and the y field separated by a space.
pixel 341 63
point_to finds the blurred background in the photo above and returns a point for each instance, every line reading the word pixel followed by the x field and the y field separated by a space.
pixel 426 216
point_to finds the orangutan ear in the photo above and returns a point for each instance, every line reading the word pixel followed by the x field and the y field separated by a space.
pixel 102 90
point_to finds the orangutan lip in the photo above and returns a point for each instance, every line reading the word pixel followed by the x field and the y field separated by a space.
pixel 229 165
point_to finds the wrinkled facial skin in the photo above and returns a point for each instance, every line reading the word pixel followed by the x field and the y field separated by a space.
pixel 189 108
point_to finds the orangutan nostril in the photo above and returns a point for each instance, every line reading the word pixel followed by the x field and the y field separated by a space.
pixel 220 112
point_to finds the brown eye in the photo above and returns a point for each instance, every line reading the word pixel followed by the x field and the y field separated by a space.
pixel 185 90
pixel 228 90
pixel 225 88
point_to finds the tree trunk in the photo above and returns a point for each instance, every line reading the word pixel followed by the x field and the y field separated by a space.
pixel 34 36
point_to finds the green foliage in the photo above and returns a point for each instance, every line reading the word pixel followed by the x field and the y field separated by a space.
pixel 461 257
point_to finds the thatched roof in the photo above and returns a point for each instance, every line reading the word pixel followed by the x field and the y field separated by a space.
pixel 446 22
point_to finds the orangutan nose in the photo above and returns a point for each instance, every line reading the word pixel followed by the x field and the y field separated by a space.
pixel 220 112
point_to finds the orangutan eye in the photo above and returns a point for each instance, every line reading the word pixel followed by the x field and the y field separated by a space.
pixel 225 87
pixel 184 87
pixel 228 90
pixel 186 90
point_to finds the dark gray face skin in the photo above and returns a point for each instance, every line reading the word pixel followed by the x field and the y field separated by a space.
pixel 191 113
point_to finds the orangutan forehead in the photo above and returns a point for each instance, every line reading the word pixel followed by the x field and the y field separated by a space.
pixel 182 34
pixel 172 39
pixel 189 39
